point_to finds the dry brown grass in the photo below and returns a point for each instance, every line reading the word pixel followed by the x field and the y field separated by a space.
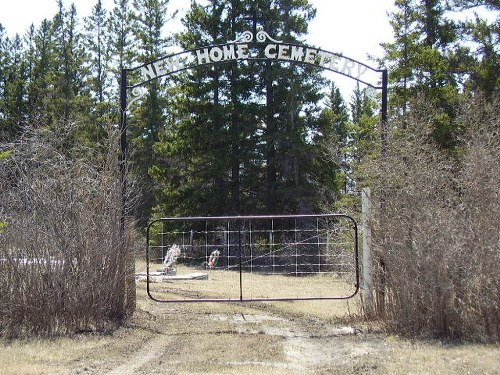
pixel 224 284
pixel 226 338
pixel 434 357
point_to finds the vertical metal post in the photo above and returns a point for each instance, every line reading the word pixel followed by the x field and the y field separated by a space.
pixel 162 236
pixel 207 249
pixel 383 124
pixel 123 125
pixel 250 245
pixel 240 260
pixel 383 153
pixel 296 247
pixel 318 244
pixel 227 243
pixel 128 258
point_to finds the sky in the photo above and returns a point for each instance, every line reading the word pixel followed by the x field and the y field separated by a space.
pixel 354 28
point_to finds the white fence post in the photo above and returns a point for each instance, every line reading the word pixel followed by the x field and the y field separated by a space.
pixel 367 254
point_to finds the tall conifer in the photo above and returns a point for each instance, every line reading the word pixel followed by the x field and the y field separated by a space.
pixel 149 19
pixel 240 142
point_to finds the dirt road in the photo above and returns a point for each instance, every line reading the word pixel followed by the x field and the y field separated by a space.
pixel 239 339
pixel 254 338
pixel 272 339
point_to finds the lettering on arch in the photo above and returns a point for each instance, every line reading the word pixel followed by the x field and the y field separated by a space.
pixel 265 48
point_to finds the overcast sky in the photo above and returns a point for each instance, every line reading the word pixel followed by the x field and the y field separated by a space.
pixel 354 28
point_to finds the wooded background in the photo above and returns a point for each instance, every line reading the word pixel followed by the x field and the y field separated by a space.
pixel 247 137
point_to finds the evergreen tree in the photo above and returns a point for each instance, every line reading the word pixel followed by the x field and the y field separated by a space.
pixel 4 133
pixel 420 59
pixel 431 55
pixel 202 149
pixel 362 138
pixel 479 39
pixel 13 71
pixel 332 161
pixel 400 53
pixel 40 58
pixel 98 63
pixel 241 143
pixel 150 18
pixel 15 77
pixel 98 68
pixel 68 100
pixel 120 39
pixel 289 91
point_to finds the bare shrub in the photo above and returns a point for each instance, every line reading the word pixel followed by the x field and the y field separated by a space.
pixel 62 247
pixel 437 235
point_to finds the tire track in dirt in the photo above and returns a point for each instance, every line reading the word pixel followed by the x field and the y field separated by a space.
pixel 307 345
pixel 309 348
pixel 149 351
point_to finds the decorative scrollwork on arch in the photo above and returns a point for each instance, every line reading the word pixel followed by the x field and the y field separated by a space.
pixel 262 36
pixel 247 36
pixel 244 37
pixel 137 93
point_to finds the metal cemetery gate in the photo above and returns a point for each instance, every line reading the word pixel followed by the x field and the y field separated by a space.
pixel 252 258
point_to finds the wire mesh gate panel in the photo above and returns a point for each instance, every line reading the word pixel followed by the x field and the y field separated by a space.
pixel 252 258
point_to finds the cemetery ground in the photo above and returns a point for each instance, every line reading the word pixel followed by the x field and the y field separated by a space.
pixel 295 337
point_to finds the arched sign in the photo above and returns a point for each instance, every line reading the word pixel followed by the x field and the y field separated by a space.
pixel 250 46
pixel 259 48
pixel 266 48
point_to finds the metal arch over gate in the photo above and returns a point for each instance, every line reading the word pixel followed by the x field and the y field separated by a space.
pixel 328 258
pixel 252 258
pixel 247 47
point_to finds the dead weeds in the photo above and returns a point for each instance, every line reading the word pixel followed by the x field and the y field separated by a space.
pixel 223 338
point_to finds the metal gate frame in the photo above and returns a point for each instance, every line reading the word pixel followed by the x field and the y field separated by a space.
pixel 239 219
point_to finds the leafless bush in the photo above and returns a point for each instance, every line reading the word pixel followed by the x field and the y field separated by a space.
pixel 62 247
pixel 437 235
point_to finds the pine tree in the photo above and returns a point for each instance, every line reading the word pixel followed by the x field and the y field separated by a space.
pixel 98 63
pixel 14 83
pixel 12 86
pixel 441 57
pixel 150 18
pixel 400 53
pixel 421 61
pixel 40 58
pixel 120 38
pixel 4 133
pixel 291 96
pixel 479 38
pixel 362 133
pixel 98 71
pixel 364 122
pixel 198 146
pixel 241 142
pixel 68 101
pixel 331 161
